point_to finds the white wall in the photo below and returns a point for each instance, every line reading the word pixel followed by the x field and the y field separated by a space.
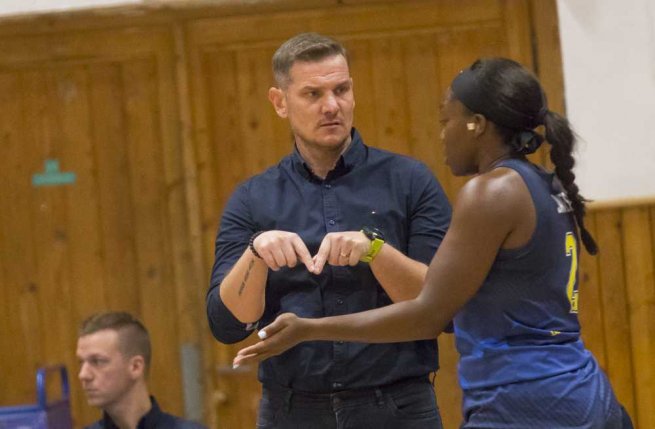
pixel 17 7
pixel 608 50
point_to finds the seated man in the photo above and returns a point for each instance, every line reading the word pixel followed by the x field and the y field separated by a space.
pixel 114 353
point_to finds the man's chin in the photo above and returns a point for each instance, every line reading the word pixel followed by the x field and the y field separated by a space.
pixel 95 401
pixel 334 139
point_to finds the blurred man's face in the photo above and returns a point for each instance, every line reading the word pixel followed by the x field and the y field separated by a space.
pixel 105 373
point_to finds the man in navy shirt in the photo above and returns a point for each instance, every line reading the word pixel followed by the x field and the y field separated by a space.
pixel 336 227
pixel 114 352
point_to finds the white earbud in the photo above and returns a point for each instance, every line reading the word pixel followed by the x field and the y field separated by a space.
pixel 470 126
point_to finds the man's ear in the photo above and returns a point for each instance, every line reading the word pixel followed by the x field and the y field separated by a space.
pixel 278 100
pixel 137 366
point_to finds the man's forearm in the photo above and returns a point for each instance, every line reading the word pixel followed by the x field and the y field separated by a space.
pixel 242 289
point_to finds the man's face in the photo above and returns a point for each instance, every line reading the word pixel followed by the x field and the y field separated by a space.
pixel 318 102
pixel 106 374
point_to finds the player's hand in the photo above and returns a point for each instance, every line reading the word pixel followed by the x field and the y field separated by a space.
pixel 282 249
pixel 285 332
pixel 340 249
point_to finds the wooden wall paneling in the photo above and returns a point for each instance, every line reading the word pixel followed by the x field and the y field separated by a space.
pixel 547 60
pixel 47 241
pixel 357 20
pixel 361 70
pixel 516 20
pixel 257 114
pixel 449 394
pixel 213 120
pixel 86 264
pixel 389 94
pixel 616 316
pixel 20 314
pixel 50 223
pixel 591 309
pixel 189 258
pixel 201 71
pixel 153 247
pixel 423 88
pixel 70 101
pixel 640 281
pixel 115 204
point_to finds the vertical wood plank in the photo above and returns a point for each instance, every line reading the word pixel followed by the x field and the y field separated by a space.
pixel 199 78
pixel 20 288
pixel 591 308
pixel 517 34
pixel 81 205
pixel 49 206
pixel 113 176
pixel 638 248
pixel 389 95
pixel 155 276
pixel 423 89
pixel 257 116
pixel 616 316
pixel 188 246
pixel 362 74
pixel 547 60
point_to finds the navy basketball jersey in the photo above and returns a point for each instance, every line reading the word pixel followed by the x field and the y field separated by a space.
pixel 522 324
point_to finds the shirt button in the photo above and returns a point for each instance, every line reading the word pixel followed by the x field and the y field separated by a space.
pixel 337 385
pixel 339 301
pixel 331 222
pixel 328 186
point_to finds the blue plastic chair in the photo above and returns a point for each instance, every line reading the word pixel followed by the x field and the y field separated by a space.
pixel 55 414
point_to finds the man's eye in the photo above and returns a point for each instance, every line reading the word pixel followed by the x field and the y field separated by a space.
pixel 97 362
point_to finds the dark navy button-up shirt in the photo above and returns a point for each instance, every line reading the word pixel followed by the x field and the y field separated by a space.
pixel 154 419
pixel 369 187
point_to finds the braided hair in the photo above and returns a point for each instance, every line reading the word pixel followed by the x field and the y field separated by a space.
pixel 511 97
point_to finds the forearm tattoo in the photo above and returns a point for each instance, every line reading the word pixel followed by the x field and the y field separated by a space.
pixel 245 278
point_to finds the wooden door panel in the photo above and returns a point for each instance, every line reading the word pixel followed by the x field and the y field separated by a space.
pixel 105 111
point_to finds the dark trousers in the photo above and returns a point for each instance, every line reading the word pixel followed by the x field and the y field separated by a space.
pixel 409 404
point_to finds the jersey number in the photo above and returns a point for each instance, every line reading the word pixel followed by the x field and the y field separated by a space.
pixel 571 290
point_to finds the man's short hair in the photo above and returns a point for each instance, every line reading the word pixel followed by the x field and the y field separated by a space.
pixel 133 337
pixel 307 47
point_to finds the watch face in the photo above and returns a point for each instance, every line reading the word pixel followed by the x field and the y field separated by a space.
pixel 372 233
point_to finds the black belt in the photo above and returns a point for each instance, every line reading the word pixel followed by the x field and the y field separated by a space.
pixel 330 398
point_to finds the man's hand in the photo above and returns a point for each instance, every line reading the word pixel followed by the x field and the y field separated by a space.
pixel 282 249
pixel 285 332
pixel 340 249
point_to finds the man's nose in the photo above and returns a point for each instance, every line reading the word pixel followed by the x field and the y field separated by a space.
pixel 85 372
pixel 330 104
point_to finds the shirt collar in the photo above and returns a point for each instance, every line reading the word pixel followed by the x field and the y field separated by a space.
pixel 148 421
pixel 353 156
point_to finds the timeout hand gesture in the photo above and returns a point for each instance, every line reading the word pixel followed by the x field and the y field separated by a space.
pixel 285 332
pixel 284 249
